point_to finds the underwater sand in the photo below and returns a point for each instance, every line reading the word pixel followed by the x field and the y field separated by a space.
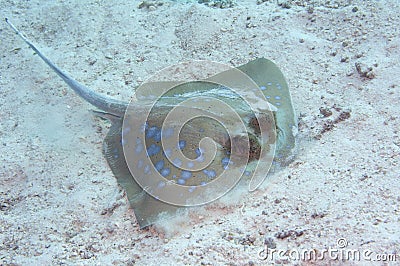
pixel 60 203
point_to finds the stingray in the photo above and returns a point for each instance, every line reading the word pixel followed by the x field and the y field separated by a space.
pixel 126 153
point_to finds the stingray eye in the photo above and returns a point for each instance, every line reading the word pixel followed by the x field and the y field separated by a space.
pixel 193 140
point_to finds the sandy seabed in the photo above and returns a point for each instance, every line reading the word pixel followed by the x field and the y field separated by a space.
pixel 60 203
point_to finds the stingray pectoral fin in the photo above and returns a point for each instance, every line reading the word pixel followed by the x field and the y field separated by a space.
pixel 104 103
pixel 112 150
pixel 275 88
pixel 147 209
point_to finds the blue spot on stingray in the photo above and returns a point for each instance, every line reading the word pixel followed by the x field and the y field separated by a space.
pixel 210 173
pixel 247 173
pixel 191 189
pixel 263 88
pixel 268 97
pixel 182 144
pixel 157 136
pixel 168 133
pixel 139 148
pixel 177 162
pixel 159 165
pixel 198 151
pixel 269 83
pixel 165 172
pixel 277 97
pixel 153 149
pixel 225 161
pixel 278 103
pixel 147 169
pixel 174 176
pixel 161 184
pixel 190 164
pixel 203 183
pixel 140 163
pixel 181 181
pixel 151 132
pixel 167 152
pixel 186 174
pixel 126 130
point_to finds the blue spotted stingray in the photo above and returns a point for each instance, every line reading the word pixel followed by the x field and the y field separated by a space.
pixel 148 209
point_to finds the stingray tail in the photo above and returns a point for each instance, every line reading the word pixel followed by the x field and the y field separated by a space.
pixel 104 103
